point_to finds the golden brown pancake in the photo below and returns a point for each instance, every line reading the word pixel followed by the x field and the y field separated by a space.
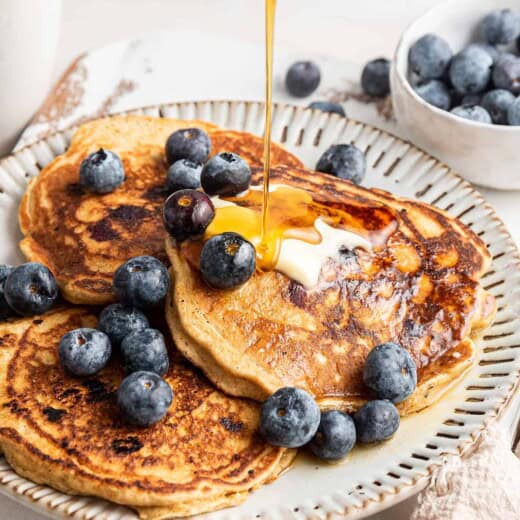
pixel 418 287
pixel 66 432
pixel 83 237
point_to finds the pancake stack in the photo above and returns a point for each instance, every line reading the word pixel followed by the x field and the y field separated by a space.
pixel 420 286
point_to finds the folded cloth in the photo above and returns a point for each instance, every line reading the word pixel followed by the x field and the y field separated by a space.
pixel 483 484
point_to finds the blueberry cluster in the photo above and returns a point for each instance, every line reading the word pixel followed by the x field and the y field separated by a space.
pixel 227 260
pixel 481 82
pixel 143 397
pixel 291 417
pixel 26 290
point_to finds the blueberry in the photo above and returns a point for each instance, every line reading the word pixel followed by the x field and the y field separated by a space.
pixel 118 320
pixel 470 70
pixel 145 350
pixel 486 47
pixel 470 100
pixel 513 113
pixel 142 282
pixel 144 398
pixel 289 418
pixel 225 174
pixel 335 437
pixel 227 260
pixel 188 143
pixel 344 161
pixel 375 78
pixel 101 172
pixel 506 73
pixel 30 289
pixel 303 78
pixel 376 421
pixel 435 93
pixel 472 113
pixel 187 213
pixel 5 310
pixel 500 26
pixel 429 57
pixel 390 372
pixel 329 107
pixel 183 174
pixel 84 352
pixel 497 103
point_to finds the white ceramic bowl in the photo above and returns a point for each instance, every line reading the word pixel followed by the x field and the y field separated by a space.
pixel 484 154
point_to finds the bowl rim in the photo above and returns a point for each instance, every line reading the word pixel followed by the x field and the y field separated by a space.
pixel 406 85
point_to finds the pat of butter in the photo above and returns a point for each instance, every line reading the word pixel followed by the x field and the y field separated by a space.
pixel 302 261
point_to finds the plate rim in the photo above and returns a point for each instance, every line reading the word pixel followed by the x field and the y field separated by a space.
pixel 403 490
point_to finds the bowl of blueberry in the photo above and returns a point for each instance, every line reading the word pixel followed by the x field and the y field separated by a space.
pixel 455 84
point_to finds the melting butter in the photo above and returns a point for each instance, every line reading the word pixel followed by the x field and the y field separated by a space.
pixel 302 261
pixel 300 254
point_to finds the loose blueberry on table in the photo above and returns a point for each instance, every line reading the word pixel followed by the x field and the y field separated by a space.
pixel 303 78
pixel 328 107
pixel 375 78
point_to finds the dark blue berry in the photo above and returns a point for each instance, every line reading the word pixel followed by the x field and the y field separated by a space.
pixel 101 172
pixel 506 73
pixel 118 320
pixel 375 78
pixel 376 421
pixel 329 107
pixel 225 174
pixel 344 161
pixel 5 310
pixel 187 214
pixel 289 418
pixel 470 70
pixel 435 93
pixel 30 289
pixel 472 113
pixel 141 282
pixel 390 372
pixel 513 113
pixel 497 103
pixel 182 175
pixel 303 78
pixel 145 350
pixel 429 57
pixel 188 143
pixel 335 437
pixel 227 261
pixel 486 47
pixel 84 352
pixel 144 398
pixel 500 26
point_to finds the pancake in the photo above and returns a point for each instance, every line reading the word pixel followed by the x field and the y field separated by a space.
pixel 83 237
pixel 418 287
pixel 66 432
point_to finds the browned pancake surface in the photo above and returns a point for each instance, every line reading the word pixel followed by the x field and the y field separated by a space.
pixel 419 288
pixel 70 429
pixel 84 237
